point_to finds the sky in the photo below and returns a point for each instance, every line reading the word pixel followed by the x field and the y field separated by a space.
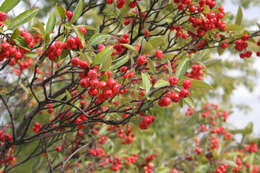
pixel 242 95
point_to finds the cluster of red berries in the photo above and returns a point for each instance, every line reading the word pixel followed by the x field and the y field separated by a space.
pixel 119 3
pixel 251 148
pixel 127 136
pixel 222 168
pixel 196 72
pixel 97 152
pixel 131 159
pixel 89 79
pixel 5 137
pixel 119 48
pixel 175 96
pixel 37 127
pixel 146 122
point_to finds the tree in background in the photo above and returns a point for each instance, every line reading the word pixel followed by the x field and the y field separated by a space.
pixel 104 86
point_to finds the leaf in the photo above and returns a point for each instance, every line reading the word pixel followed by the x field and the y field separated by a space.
pixel 151 65
pixel 8 5
pixel 22 18
pixel 189 101
pixel 107 64
pixel 258 25
pixel 147 47
pixel 15 34
pixel 98 39
pixel 239 16
pixel 212 62
pixel 182 68
pixel 230 163
pixel 21 42
pixel 170 68
pixel 130 47
pixel 248 129
pixel 120 62
pixel 103 55
pixel 80 35
pixel 202 168
pixel 61 12
pixel 161 83
pixel 51 23
pixel 220 51
pixel 157 41
pixel 68 95
pixel 77 12
pixel 146 82
pixel 200 84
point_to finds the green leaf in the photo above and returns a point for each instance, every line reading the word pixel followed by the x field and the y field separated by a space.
pixel 15 34
pixel 151 65
pixel 22 18
pixel 182 68
pixel 161 83
pixel 77 12
pixel 248 129
pixel 107 64
pixel 61 12
pixel 98 39
pixel 200 84
pixel 103 55
pixel 147 47
pixel 202 168
pixel 21 42
pixel 120 62
pixel 8 5
pixel 189 101
pixel 146 82
pixel 130 47
pixel 170 68
pixel 68 95
pixel 239 16
pixel 88 27
pixel 51 23
pixel 220 51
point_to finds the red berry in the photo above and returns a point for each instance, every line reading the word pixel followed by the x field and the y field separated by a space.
pixel 159 54
pixel 110 1
pixel 58 148
pixel 184 93
pixel 69 15
pixel 75 61
pixel 186 84
pixel 175 97
pixel 165 101
pixel 173 80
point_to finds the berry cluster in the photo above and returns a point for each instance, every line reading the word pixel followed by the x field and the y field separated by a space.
pixel 146 122
pixel 196 72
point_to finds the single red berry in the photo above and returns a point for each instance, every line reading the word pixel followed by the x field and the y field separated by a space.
pixel 159 54
pixel 75 61
pixel 184 93
pixel 175 97
pixel 186 84
pixel 173 80
pixel 58 148
pixel 110 1
pixel 69 15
